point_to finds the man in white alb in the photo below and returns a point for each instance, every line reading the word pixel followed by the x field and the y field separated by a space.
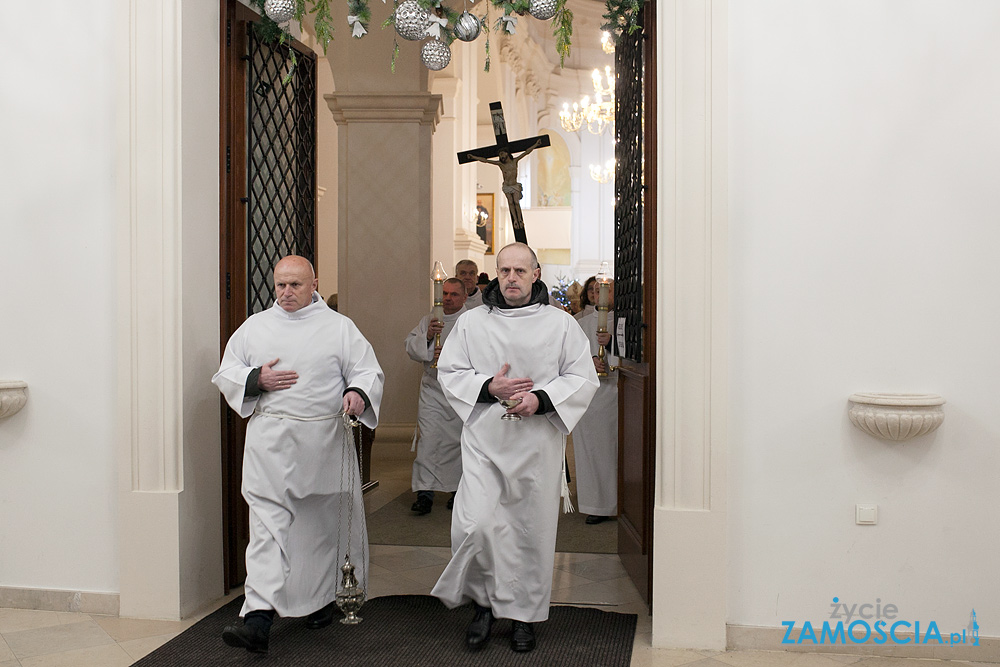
pixel 595 438
pixel 503 529
pixel 467 271
pixel 296 367
pixel 438 465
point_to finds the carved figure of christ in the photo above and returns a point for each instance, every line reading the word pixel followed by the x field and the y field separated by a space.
pixel 508 154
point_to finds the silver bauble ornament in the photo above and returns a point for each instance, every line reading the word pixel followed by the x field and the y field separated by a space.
pixel 412 20
pixel 435 54
pixel 280 11
pixel 542 10
pixel 467 27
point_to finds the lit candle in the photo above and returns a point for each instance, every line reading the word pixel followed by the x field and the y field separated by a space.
pixel 603 297
pixel 438 276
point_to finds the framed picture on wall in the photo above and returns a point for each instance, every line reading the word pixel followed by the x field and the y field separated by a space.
pixel 484 219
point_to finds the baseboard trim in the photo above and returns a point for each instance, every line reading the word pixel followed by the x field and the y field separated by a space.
pixel 46 599
pixel 757 638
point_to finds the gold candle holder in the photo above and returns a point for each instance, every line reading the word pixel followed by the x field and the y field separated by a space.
pixel 603 297
pixel 438 276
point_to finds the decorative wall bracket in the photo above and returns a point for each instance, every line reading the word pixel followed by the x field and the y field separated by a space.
pixel 896 417
pixel 12 397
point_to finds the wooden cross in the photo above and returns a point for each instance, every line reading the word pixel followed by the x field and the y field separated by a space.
pixel 504 151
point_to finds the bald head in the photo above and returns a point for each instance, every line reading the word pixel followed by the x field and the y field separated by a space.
pixel 522 247
pixel 294 283
pixel 517 271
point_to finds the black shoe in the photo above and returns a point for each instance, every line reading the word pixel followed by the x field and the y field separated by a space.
pixel 322 618
pixel 253 638
pixel 479 630
pixel 522 639
pixel 594 518
pixel 451 501
pixel 422 506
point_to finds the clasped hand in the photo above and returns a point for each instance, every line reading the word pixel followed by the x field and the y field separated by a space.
pixel 503 387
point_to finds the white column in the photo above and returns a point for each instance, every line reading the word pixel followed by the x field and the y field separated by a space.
pixel 169 502
pixel 689 531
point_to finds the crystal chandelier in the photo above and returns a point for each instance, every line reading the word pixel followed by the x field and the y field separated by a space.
pixel 604 174
pixel 598 115
pixel 607 44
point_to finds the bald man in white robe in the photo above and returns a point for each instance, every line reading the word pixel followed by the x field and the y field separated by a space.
pixel 296 368
pixel 503 530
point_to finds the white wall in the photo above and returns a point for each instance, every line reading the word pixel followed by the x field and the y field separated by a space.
pixel 57 328
pixel 864 171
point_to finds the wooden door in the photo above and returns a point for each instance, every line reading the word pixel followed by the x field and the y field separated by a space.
pixel 635 296
pixel 267 209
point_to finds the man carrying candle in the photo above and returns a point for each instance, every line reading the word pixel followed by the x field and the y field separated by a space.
pixel 503 531
pixel 595 438
pixel 438 465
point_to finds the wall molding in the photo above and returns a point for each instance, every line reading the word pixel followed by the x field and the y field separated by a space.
pixel 46 599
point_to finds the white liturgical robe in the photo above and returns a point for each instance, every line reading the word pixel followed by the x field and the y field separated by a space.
pixel 595 438
pixel 475 299
pixel 503 529
pixel 438 465
pixel 298 473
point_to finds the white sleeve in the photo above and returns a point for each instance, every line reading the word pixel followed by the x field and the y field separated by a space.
pixel 232 376
pixel 417 345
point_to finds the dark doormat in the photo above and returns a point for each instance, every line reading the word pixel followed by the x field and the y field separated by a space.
pixel 394 523
pixel 410 631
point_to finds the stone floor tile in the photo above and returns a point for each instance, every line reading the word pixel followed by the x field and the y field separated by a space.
pixel 6 655
pixel 15 620
pixel 125 629
pixel 411 559
pixel 760 659
pixel 611 594
pixel 665 657
pixel 56 639
pixel 111 655
pixel 10 663
pixel 595 569
pixel 428 576
pixel 878 661
pixel 394 584
pixel 565 579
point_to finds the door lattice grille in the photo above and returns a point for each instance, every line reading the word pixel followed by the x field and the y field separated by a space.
pixel 629 189
pixel 281 174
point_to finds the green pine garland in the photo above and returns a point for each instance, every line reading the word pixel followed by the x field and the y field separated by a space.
pixel 622 17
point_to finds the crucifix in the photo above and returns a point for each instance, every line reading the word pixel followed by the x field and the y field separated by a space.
pixel 504 151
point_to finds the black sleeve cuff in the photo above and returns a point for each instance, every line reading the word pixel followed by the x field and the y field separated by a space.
pixel 363 395
pixel 544 403
pixel 252 389
pixel 484 394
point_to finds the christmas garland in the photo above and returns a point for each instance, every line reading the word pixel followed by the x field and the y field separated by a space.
pixel 622 17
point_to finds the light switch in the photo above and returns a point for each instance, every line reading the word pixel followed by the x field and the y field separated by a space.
pixel 866 514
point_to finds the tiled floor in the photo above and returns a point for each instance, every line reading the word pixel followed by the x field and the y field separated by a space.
pixel 55 639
